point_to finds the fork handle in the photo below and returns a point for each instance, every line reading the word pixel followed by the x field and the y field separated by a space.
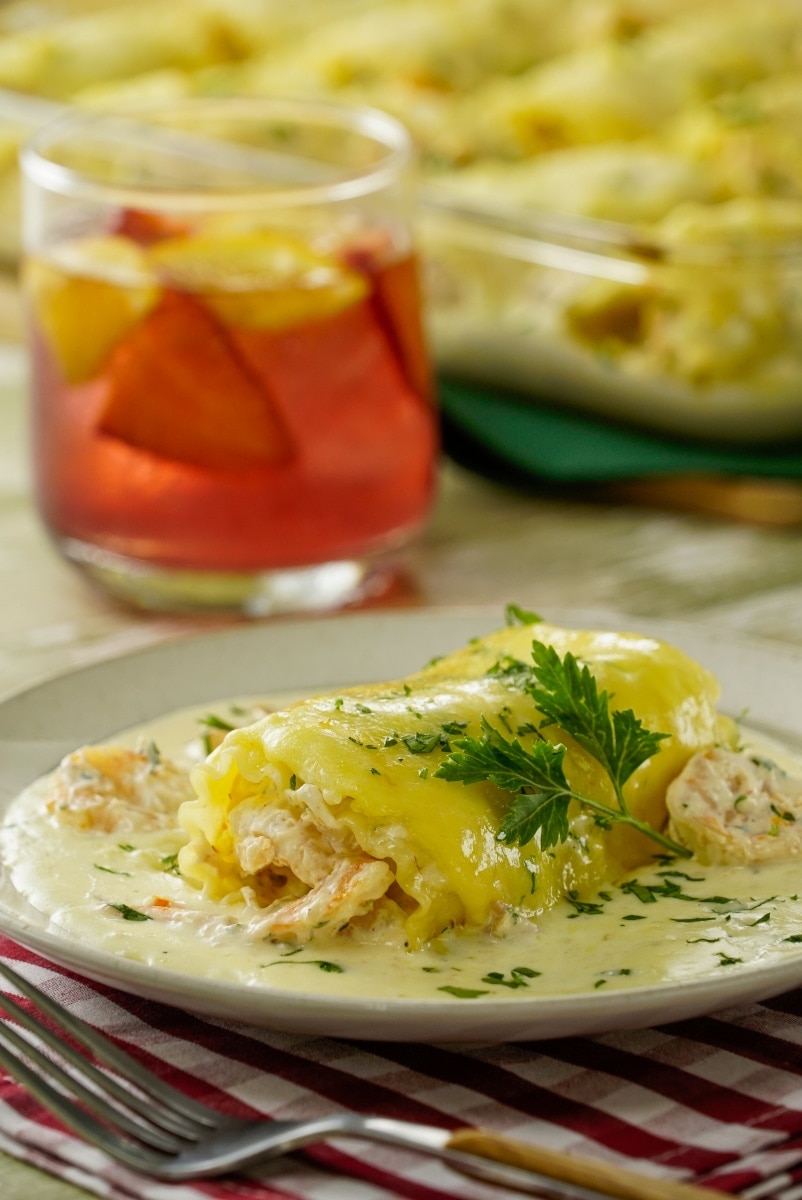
pixel 599 1176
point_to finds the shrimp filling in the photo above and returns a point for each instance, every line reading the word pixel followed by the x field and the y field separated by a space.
pixel 111 789
pixel 330 880
pixel 728 807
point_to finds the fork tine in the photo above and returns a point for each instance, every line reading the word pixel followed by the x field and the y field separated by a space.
pixel 94 1101
pixel 170 1101
pixel 175 1123
pixel 83 1123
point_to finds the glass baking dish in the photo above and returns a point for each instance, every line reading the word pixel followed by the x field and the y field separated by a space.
pixel 698 337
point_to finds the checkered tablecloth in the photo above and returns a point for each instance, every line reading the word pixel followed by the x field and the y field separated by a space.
pixel 715 1100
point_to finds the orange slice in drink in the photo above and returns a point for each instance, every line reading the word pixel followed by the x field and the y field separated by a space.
pixel 259 279
pixel 87 298
pixel 145 228
pixel 178 389
pixel 339 383
pixel 399 301
pixel 397 298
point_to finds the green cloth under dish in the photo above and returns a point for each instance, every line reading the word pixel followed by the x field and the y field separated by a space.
pixel 565 446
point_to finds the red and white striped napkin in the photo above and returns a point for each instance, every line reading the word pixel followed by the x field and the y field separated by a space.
pixel 716 1100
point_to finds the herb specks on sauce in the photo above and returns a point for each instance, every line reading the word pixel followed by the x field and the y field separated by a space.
pixel 123 893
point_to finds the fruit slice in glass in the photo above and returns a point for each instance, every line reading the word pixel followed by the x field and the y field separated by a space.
pixel 176 388
pixel 309 330
pixel 88 298
pixel 259 279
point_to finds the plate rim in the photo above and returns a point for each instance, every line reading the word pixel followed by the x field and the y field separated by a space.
pixel 378 1018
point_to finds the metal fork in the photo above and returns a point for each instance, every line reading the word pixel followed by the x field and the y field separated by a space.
pixel 149 1126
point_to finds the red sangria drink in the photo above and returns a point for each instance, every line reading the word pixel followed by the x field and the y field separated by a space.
pixel 232 402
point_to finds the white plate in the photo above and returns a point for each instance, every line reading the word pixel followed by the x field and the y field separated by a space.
pixel 40 725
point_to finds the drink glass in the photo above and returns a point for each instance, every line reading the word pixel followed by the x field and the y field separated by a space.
pixel 231 395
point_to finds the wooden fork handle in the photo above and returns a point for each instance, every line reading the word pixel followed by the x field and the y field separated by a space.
pixel 599 1176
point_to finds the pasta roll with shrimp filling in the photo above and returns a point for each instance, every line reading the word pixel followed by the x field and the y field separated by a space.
pixel 333 818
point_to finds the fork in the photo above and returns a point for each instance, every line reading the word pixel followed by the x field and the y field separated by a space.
pixel 139 1120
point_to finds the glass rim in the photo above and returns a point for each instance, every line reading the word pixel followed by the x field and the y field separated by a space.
pixel 378 127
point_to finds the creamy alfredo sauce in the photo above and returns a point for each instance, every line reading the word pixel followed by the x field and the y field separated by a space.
pixel 674 921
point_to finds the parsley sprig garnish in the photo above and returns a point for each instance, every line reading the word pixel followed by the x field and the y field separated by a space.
pixel 567 695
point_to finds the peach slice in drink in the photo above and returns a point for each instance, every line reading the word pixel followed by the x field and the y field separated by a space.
pixel 145 228
pixel 397 299
pixel 259 279
pixel 305 327
pixel 178 389
pixel 181 386
pixel 318 334
pixel 88 298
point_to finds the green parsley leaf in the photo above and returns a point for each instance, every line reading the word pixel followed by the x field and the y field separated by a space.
pixel 153 755
pixel 590 908
pixel 512 671
pixel 130 914
pixel 462 993
pixel 515 615
pixel 517 979
pixel 541 793
pixel 424 743
pixel 649 893
pixel 421 743
pixel 535 813
pixel 323 963
pixel 646 895
pixel 505 763
pixel 568 696
pixel 214 722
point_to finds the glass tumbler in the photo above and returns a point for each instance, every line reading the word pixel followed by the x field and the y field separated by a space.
pixel 231 395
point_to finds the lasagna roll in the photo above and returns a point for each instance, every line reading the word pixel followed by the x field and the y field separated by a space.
pixel 330 818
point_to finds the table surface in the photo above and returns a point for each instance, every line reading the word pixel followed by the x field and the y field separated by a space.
pixel 486 544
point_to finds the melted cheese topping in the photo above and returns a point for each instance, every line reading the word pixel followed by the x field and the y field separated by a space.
pixel 663 924
pixel 361 767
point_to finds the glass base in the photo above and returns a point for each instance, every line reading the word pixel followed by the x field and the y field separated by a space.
pixel 321 587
